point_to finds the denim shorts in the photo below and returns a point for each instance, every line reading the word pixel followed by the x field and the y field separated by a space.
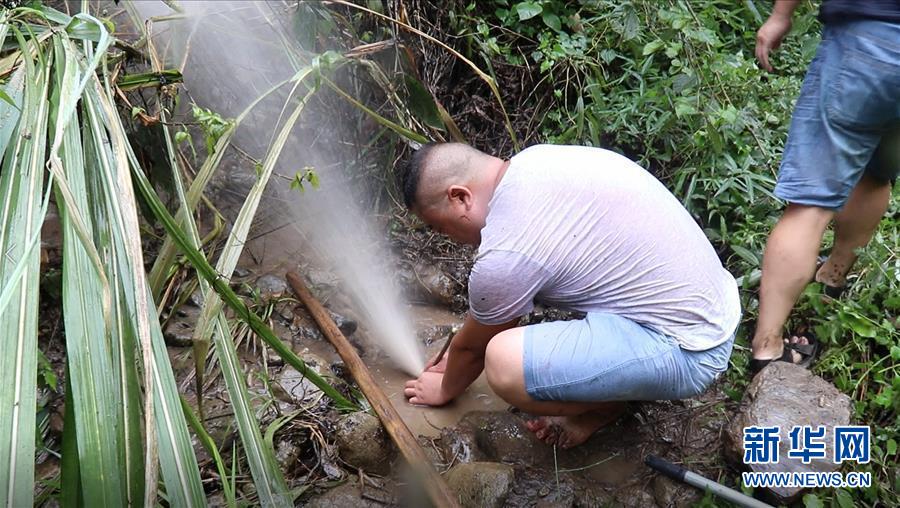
pixel 606 357
pixel 847 118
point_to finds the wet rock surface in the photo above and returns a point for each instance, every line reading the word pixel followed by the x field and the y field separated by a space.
pixel 364 444
pixel 428 283
pixel 605 470
pixel 786 395
pixel 345 496
pixel 271 287
pixel 291 388
pixel 481 484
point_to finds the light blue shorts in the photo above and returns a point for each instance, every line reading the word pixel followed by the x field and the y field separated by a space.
pixel 605 357
pixel 847 119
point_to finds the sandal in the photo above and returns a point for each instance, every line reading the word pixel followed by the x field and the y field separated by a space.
pixel 807 353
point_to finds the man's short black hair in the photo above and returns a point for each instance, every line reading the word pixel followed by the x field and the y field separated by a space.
pixel 409 176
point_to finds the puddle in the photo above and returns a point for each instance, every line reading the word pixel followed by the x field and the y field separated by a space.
pixel 424 420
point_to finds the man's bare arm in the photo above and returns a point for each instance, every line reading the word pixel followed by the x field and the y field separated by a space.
pixel 465 358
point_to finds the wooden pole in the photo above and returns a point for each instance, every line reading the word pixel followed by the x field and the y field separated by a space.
pixel 435 485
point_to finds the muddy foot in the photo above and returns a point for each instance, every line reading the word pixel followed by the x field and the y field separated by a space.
pixel 569 431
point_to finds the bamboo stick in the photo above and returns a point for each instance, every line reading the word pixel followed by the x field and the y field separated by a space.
pixel 435 485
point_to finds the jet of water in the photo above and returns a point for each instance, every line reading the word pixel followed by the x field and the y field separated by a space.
pixel 232 52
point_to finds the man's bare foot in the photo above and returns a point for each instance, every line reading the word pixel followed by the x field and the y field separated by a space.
pixel 832 273
pixel 569 431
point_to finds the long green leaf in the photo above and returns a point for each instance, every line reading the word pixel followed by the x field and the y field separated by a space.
pixel 20 196
pixel 88 349
pixel 267 477
pixel 176 457
pixel 210 446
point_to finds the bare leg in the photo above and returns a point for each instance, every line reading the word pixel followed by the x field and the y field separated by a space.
pixel 854 226
pixel 788 265
pixel 566 423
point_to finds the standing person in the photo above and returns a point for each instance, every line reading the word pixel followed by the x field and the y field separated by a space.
pixel 582 229
pixel 840 158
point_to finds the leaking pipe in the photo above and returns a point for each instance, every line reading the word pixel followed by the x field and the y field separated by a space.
pixel 437 488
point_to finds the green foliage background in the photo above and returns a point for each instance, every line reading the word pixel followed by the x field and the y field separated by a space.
pixel 674 85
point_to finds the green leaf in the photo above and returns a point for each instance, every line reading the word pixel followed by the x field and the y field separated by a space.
pixel 181 137
pixel 844 499
pixel 552 20
pixel 528 10
pixel 895 353
pixel 7 99
pixel 21 182
pixel 860 325
pixel 422 104
pixel 313 178
pixel 812 501
pixel 891 447
pixel 683 108
pixel 745 254
pixel 652 47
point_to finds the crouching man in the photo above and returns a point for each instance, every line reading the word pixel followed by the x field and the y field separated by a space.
pixel 582 229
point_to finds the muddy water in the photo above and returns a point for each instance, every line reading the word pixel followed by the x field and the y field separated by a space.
pixel 424 420
pixel 430 323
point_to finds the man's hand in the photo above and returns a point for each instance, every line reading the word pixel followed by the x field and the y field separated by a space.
pixel 426 390
pixel 772 32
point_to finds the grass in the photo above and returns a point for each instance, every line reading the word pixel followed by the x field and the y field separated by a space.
pixel 125 426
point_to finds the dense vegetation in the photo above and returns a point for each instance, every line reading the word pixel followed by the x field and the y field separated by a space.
pixel 670 83
pixel 674 85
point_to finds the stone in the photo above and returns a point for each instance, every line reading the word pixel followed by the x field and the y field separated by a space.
pixel 321 279
pixel 271 287
pixel 493 436
pixel 786 395
pixel 342 496
pixel 196 298
pixel 287 454
pixel 665 493
pixel 291 387
pixel 428 282
pixel 481 484
pixel 364 444
pixel 346 325
pixel 179 334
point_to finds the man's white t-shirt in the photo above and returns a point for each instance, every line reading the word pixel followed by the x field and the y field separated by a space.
pixel 587 229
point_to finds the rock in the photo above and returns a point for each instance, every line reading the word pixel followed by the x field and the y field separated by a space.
pixel 291 387
pixel 428 282
pixel 498 436
pixel 346 325
pixel 342 496
pixel 459 444
pixel 271 287
pixel 786 395
pixel 321 279
pixel 287 454
pixel 307 332
pixel 196 298
pixel 364 444
pixel 665 492
pixel 481 484
pixel 179 334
